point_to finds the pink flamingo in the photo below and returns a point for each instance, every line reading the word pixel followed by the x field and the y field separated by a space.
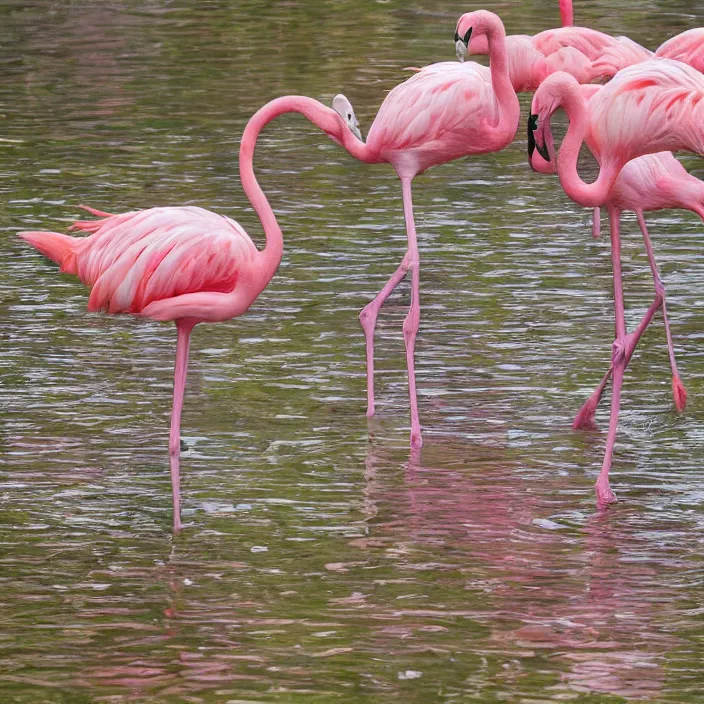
pixel 445 111
pixel 186 264
pixel 574 50
pixel 687 47
pixel 647 108
pixel 647 183
pixel 190 266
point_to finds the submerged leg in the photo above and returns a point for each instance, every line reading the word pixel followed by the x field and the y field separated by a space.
pixel 368 318
pixel 604 494
pixel 678 391
pixel 183 329
pixel 596 223
pixel 412 321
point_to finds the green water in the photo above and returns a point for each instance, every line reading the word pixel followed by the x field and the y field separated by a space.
pixel 320 562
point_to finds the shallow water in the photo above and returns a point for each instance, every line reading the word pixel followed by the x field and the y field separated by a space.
pixel 321 561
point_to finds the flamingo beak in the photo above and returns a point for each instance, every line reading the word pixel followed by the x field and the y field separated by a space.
pixel 534 143
pixel 460 50
pixel 462 45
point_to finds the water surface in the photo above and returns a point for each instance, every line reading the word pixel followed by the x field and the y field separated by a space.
pixel 321 561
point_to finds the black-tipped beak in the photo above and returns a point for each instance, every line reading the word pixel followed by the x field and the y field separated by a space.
pixel 532 142
pixel 462 44
pixel 531 137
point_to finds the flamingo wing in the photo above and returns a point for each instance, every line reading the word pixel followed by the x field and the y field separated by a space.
pixel 687 47
pixel 661 100
pixel 625 52
pixel 135 259
pixel 433 106
pixel 589 42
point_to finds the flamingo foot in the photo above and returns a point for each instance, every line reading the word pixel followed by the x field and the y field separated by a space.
pixel 679 393
pixel 178 526
pixel 604 495
pixel 416 440
pixel 584 420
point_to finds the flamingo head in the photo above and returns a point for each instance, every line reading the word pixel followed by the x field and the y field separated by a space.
pixel 553 93
pixel 547 99
pixel 342 106
pixel 479 26
pixel 541 159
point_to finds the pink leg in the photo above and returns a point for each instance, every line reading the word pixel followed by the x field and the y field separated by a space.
pixel 183 329
pixel 678 390
pixel 596 224
pixel 368 318
pixel 604 494
pixel 584 420
pixel 412 321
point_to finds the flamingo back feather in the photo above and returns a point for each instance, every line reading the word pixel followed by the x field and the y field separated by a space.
pixel 134 259
pixel 659 102
pixel 687 47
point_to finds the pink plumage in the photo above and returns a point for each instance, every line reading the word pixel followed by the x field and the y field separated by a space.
pixel 687 47
pixel 445 111
pixel 584 53
pixel 184 264
pixel 647 183
pixel 136 259
pixel 655 106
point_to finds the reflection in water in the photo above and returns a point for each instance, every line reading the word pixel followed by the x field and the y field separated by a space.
pixel 314 565
pixel 577 589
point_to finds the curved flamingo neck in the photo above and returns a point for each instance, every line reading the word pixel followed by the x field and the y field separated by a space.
pixel 590 195
pixel 566 14
pixel 500 76
pixel 321 116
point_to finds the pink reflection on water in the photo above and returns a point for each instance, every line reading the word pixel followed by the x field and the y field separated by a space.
pixel 549 577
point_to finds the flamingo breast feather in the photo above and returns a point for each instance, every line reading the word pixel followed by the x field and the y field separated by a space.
pixel 137 258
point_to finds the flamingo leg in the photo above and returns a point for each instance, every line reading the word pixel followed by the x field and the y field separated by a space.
pixel 678 391
pixel 412 321
pixel 604 494
pixel 584 420
pixel 368 317
pixel 596 223
pixel 183 329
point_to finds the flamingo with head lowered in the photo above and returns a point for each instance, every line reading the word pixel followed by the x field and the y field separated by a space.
pixel 651 107
pixel 185 264
pixel 647 183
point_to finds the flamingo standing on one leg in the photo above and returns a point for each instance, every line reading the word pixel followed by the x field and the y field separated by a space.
pixel 650 182
pixel 651 107
pixel 185 264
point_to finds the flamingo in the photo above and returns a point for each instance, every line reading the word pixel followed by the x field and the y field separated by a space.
pixel 574 50
pixel 651 107
pixel 687 47
pixel 185 264
pixel 647 183
pixel 445 111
